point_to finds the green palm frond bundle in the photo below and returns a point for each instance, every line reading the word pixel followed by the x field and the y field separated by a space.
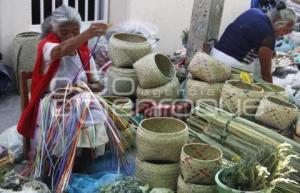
pixel 268 169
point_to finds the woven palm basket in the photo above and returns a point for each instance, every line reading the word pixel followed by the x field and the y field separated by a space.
pixel 168 91
pixel 208 93
pixel 240 97
pixel 276 113
pixel 274 90
pixel 183 187
pixel 206 68
pixel 154 70
pixel 157 174
pixel 121 105
pixel 24 53
pixel 125 49
pixel 121 81
pixel 161 139
pixel 199 163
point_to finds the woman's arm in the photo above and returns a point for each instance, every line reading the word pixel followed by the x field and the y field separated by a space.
pixel 265 59
pixel 70 45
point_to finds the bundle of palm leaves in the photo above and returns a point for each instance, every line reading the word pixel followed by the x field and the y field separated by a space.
pixel 267 170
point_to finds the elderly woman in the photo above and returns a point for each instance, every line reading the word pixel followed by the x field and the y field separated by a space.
pixel 64 60
pixel 252 36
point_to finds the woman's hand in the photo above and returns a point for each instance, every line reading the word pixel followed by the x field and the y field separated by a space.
pixel 95 86
pixel 96 29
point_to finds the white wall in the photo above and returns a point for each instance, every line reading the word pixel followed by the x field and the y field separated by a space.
pixel 170 16
pixel 15 18
pixel 118 11
pixel 232 9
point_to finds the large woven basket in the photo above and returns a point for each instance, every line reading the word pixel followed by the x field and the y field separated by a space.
pixel 276 113
pixel 240 97
pixel 161 139
pixel 157 174
pixel 274 90
pixel 154 70
pixel 24 53
pixel 208 93
pixel 199 163
pixel 183 187
pixel 206 68
pixel 168 91
pixel 125 49
pixel 121 81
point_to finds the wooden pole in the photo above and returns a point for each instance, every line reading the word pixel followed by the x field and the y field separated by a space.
pixel 205 24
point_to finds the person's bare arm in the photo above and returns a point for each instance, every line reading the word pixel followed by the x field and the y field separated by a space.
pixel 265 59
pixel 95 86
pixel 69 46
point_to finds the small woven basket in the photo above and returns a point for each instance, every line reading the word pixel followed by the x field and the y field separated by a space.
pixel 274 90
pixel 208 93
pixel 157 174
pixel 125 49
pixel 168 91
pixel 208 69
pixel 121 81
pixel 154 70
pixel 240 97
pixel 161 139
pixel 121 105
pixel 199 163
pixel 183 187
pixel 276 113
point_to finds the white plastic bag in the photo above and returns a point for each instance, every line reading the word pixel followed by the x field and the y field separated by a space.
pixel 13 141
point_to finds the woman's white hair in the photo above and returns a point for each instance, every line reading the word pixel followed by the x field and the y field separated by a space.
pixel 280 17
pixel 61 15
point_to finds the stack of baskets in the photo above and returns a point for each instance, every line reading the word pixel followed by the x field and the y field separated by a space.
pixel 208 78
pixel 156 78
pixel 159 143
pixel 124 50
pixel 199 164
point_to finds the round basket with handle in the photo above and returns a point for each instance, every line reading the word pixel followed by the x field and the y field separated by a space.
pixel 208 69
pixel 125 49
pixel 154 70
pixel 161 138
pixel 240 97
pixel 200 162
pixel 158 174
pixel 276 113
pixel 167 91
